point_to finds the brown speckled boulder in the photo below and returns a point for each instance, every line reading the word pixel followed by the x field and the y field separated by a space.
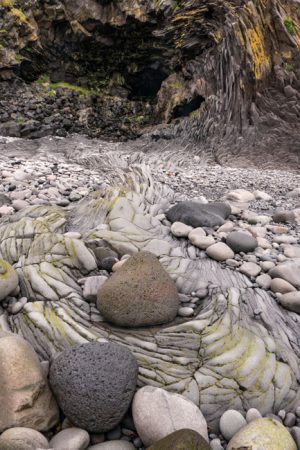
pixel 181 440
pixel 140 293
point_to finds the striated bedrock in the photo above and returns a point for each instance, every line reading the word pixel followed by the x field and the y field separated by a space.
pixel 227 356
pixel 225 73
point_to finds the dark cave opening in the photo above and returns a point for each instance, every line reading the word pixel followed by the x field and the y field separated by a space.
pixel 187 107
pixel 145 84
pixel 127 60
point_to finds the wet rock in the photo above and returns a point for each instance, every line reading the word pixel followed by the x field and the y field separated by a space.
pixel 20 438
pixel 181 439
pixel 241 242
pixel 8 279
pixel 158 413
pixel 94 384
pixel 140 293
pixel 220 252
pixel 231 422
pixel 198 214
pixel 267 434
pixel 70 439
pixel 25 397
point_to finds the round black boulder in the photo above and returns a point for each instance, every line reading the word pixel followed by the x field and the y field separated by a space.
pixel 241 242
pixel 94 384
pixel 198 214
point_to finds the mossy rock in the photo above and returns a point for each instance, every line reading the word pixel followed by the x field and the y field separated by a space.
pixel 266 433
pixel 182 440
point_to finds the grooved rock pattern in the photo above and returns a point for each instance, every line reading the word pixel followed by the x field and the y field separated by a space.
pixel 225 357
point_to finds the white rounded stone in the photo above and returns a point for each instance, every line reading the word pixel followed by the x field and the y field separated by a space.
pixel 202 242
pixel 220 252
pixel 157 413
pixel 264 280
pixel 22 438
pixel 185 311
pixel 180 229
pixel 231 422
pixel 70 439
pixel 250 268
pixel 253 414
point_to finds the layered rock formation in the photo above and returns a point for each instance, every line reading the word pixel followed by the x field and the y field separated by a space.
pixel 231 69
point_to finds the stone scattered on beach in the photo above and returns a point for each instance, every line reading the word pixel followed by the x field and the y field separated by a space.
pixel 266 434
pixel 140 293
pixel 20 438
pixel 25 397
pixel 94 384
pixel 197 214
pixel 158 413
pixel 8 279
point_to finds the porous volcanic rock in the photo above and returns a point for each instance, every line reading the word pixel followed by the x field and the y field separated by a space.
pixel 94 384
pixel 198 214
pixel 140 293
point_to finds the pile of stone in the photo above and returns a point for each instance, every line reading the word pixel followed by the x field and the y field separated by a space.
pixel 251 243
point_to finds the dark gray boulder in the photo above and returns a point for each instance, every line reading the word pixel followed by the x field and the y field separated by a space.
pixel 94 384
pixel 198 214
pixel 241 242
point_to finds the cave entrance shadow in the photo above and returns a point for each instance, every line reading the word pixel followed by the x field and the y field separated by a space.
pixel 187 107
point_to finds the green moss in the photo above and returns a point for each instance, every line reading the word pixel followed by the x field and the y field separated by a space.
pixel 21 120
pixel 44 80
pixel 289 67
pixel 290 26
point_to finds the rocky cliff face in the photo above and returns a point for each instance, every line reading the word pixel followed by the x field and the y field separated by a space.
pixel 224 74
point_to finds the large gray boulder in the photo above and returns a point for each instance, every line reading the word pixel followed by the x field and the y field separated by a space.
pixel 140 293
pixel 94 384
pixel 198 214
